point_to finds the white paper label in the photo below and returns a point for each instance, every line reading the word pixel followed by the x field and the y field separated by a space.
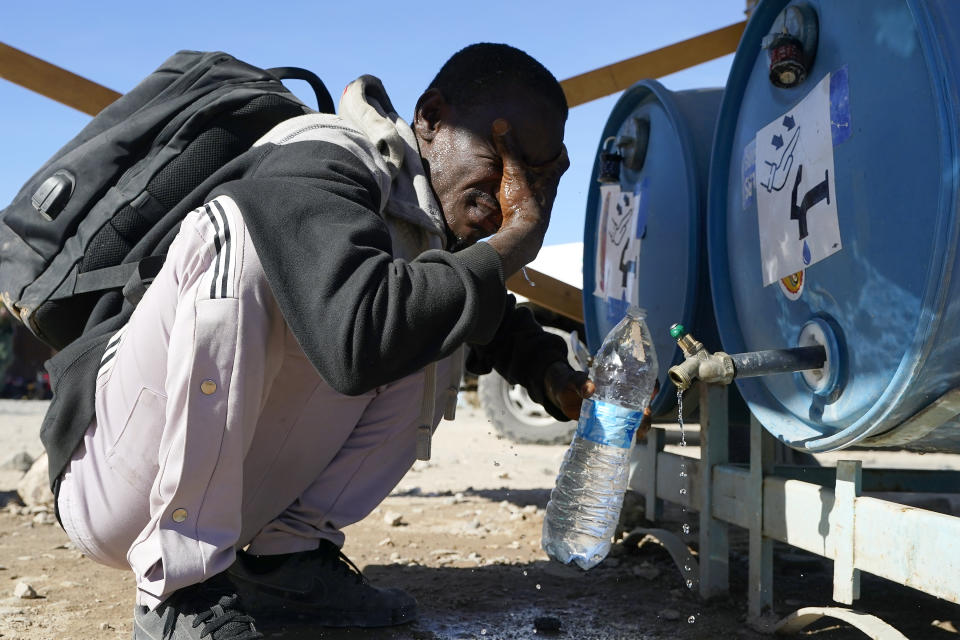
pixel 618 244
pixel 796 194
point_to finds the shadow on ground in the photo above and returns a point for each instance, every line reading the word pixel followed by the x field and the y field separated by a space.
pixel 10 497
pixel 611 602
pixel 504 601
pixel 519 497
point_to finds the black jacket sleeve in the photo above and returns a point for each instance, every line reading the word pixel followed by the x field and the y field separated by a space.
pixel 521 351
pixel 362 317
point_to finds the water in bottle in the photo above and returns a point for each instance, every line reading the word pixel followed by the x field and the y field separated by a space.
pixel 585 505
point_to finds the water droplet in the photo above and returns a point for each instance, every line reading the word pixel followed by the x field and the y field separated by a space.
pixel 689 584
pixel 692 619
pixel 686 528
pixel 806 253
pixel 683 437
pixel 538 587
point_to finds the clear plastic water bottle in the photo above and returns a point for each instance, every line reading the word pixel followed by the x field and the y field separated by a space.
pixel 584 506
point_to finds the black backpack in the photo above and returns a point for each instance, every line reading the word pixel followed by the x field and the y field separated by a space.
pixel 99 215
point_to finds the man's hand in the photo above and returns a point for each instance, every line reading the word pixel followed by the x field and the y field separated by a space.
pixel 526 198
pixel 647 420
pixel 567 388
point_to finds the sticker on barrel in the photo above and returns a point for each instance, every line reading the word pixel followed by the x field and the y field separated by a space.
pixel 796 190
pixel 622 223
pixel 792 285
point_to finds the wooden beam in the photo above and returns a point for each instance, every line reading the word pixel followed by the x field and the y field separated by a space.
pixel 52 81
pixel 655 64
pixel 89 97
pixel 555 295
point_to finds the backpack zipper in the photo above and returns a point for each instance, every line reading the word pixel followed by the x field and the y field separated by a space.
pixel 296 133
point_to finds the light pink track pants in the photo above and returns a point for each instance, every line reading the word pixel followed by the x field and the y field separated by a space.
pixel 213 430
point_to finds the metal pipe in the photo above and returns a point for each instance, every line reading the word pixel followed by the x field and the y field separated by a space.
pixel 722 368
pixel 764 363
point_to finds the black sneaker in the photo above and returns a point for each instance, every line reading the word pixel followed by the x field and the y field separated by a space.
pixel 322 584
pixel 210 609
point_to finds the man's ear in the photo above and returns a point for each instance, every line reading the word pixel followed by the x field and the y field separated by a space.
pixel 432 109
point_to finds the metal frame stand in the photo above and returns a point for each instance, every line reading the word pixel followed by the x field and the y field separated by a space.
pixel 653 507
pixel 760 580
pixel 714 450
pixel 818 509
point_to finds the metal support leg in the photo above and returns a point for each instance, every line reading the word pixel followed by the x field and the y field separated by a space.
pixel 714 438
pixel 846 579
pixel 762 455
pixel 653 507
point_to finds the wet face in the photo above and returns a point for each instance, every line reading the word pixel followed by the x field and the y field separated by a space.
pixel 463 164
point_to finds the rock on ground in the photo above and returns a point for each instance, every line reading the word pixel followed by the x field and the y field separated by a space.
pixel 34 487
pixel 24 591
pixel 18 462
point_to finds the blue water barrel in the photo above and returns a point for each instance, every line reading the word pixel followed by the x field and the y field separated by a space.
pixel 833 218
pixel 644 234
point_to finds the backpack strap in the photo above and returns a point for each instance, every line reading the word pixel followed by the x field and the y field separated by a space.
pixel 324 101
pixel 133 277
pixel 136 285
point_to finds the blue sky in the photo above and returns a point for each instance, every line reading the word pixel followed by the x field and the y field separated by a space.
pixel 116 44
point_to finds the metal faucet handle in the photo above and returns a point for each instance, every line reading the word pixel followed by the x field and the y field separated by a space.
pixel 690 345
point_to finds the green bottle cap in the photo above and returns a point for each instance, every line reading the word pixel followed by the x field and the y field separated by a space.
pixel 677 330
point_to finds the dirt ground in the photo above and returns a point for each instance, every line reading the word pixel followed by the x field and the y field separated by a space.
pixel 462 533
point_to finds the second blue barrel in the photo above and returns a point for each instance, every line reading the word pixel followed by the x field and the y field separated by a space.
pixel 833 218
pixel 644 238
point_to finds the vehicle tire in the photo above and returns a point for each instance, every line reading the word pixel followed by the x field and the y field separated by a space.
pixel 515 416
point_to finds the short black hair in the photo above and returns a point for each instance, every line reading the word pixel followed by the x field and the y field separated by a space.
pixel 486 71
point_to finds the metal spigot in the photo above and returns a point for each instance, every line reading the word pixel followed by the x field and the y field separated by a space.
pixel 722 368
pixel 699 364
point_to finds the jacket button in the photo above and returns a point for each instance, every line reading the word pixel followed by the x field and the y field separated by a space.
pixel 207 387
pixel 179 515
